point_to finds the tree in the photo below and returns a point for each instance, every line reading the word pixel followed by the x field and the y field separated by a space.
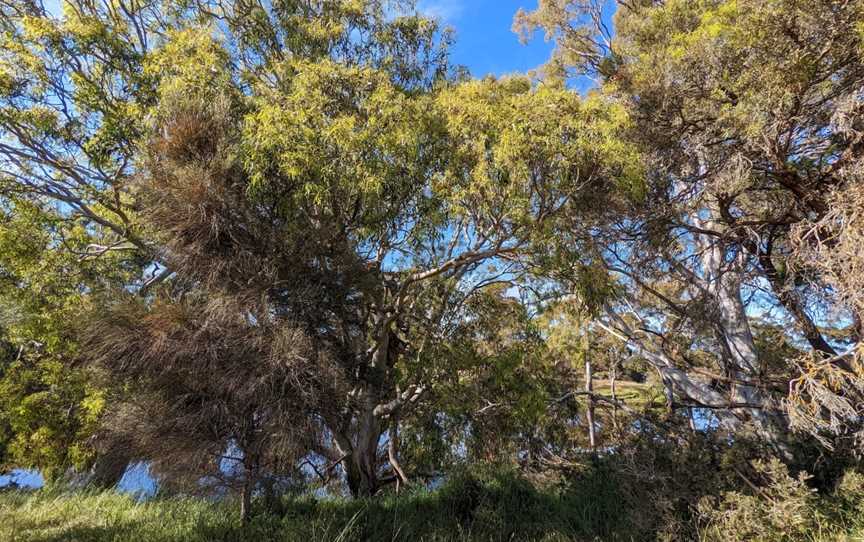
pixel 78 88
pixel 735 105
pixel 329 179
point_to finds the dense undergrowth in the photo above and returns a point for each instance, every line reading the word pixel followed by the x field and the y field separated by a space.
pixel 595 503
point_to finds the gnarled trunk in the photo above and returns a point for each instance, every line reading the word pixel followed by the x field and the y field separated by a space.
pixel 722 282
pixel 361 455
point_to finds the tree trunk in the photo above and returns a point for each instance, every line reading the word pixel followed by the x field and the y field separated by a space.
pixel 251 469
pixel 361 452
pixel 613 378
pixel 722 281
pixel 361 474
pixel 393 454
pixel 741 350
pixel 246 499
pixel 589 388
pixel 109 467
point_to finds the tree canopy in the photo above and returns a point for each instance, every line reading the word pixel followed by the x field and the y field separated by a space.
pixel 293 237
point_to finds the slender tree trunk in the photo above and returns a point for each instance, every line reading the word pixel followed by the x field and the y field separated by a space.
pixel 613 375
pixel 393 454
pixel 741 349
pixel 669 391
pixel 589 388
pixel 246 499
pixel 360 448
pixel 251 469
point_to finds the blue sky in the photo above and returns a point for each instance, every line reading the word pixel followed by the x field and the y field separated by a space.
pixel 485 42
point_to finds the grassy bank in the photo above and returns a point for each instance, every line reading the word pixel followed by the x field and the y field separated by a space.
pixel 483 508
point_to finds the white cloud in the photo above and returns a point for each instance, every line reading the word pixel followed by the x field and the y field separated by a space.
pixel 447 11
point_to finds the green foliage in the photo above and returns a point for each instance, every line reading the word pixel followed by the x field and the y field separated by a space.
pixel 48 410
pixel 493 384
pixel 341 139
pixel 49 413
pixel 509 136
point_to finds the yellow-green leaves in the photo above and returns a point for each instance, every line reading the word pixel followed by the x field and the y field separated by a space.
pixel 191 63
pixel 520 151
pixel 50 408
pixel 490 151
pixel 744 63
pixel 339 138
pixel 40 403
pixel 714 23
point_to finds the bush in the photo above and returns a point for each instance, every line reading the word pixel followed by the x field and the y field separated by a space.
pixel 777 507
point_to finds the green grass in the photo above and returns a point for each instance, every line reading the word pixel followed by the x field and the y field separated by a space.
pixel 486 507
pixel 635 394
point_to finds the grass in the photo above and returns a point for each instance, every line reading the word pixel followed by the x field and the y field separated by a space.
pixel 635 394
pixel 486 507
pixel 496 507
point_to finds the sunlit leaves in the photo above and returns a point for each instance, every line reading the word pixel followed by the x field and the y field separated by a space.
pixel 520 152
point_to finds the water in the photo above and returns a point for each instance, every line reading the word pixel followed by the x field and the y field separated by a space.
pixel 136 480
pixel 22 478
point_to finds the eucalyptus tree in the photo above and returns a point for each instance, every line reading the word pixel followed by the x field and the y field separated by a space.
pixel 745 111
pixel 319 191
pixel 365 215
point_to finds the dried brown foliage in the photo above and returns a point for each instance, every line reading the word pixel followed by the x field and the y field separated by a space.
pixel 202 375
pixel 828 401
pixel 196 197
pixel 235 352
pixel 834 247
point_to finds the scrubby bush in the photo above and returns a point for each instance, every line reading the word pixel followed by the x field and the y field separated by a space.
pixel 779 507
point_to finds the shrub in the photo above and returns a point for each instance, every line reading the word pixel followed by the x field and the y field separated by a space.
pixel 778 507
